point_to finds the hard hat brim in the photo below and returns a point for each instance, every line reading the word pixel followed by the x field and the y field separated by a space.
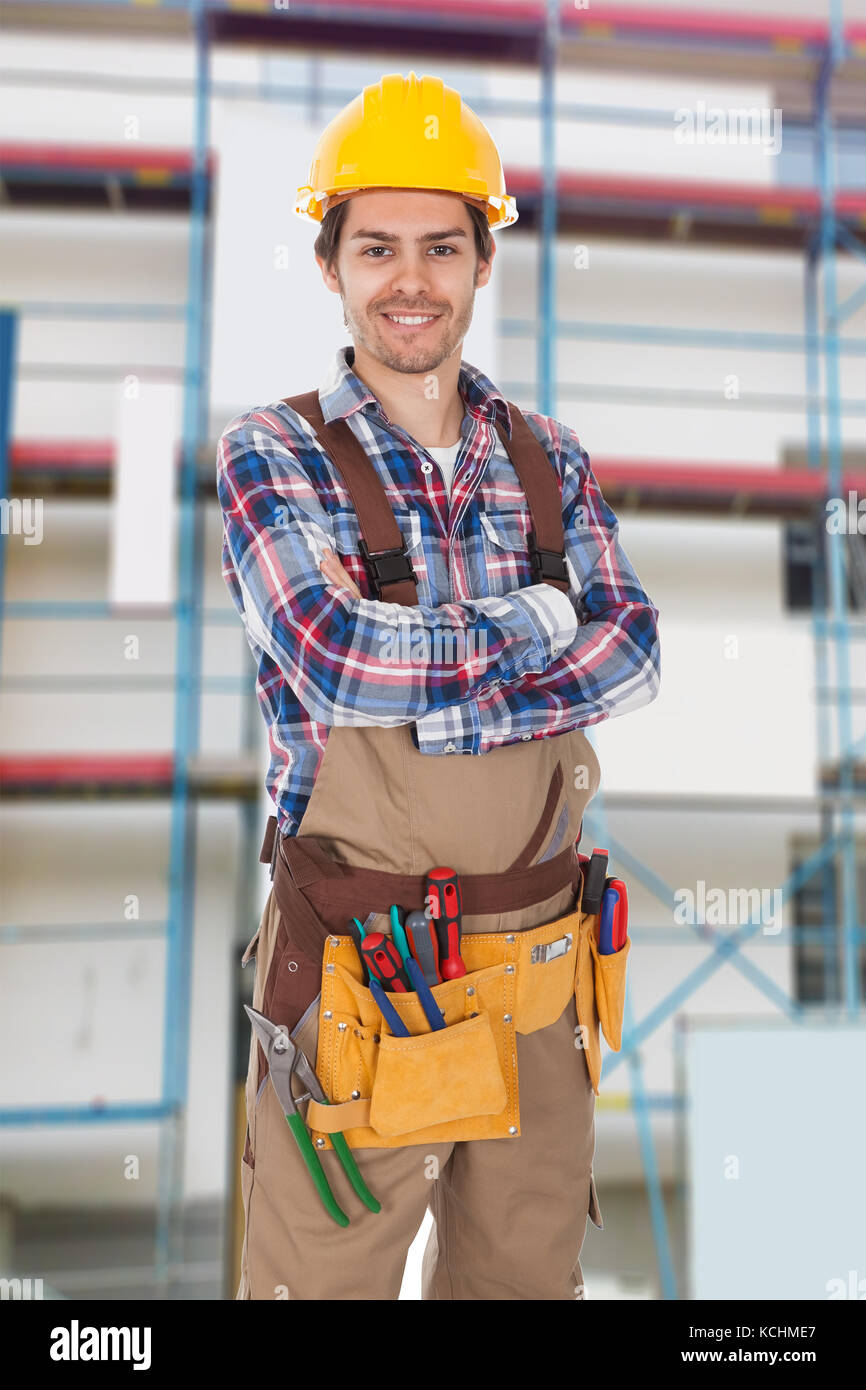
pixel 312 204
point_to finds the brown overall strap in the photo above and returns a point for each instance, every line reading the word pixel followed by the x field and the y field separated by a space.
pixel 546 540
pixel 382 546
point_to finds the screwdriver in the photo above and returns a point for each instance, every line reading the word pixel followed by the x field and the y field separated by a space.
pixel 424 944
pixel 593 882
pixel 387 1010
pixel 383 961
pixel 356 931
pixel 443 894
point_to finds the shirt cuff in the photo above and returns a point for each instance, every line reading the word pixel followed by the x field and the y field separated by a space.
pixel 456 729
pixel 552 625
pixel 553 615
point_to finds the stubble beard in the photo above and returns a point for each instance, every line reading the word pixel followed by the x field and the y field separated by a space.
pixel 367 330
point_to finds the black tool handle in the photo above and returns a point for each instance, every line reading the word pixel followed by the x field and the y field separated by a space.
pixel 593 882
pixel 385 962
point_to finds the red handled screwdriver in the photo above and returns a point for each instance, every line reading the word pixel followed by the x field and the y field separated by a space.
pixel 384 962
pixel 446 905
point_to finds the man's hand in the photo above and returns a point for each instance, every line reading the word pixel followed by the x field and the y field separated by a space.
pixel 335 574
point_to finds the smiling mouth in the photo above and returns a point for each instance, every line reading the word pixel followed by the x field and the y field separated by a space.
pixel 411 321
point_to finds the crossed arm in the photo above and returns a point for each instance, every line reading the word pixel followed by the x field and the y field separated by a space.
pixel 613 663
pixel 352 660
pixel 533 661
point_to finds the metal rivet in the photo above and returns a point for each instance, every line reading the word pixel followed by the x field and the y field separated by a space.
pixel 470 990
pixel 327 1014
pixel 509 969
pixel 329 969
pixel 320 1143
pixel 506 1018
pixel 335 941
pixel 512 1129
pixel 356 1095
pixel 341 1027
pixel 510 940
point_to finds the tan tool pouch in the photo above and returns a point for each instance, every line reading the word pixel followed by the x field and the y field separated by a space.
pixel 455 1083
pixel 599 990
pixel 461 1082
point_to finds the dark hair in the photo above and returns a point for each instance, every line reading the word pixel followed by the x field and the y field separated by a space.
pixel 327 241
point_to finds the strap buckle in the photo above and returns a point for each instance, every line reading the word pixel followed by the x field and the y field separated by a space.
pixel 546 564
pixel 387 566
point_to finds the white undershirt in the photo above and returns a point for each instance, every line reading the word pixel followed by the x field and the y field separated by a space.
pixel 446 457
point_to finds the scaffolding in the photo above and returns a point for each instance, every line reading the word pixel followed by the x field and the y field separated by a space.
pixel 820 67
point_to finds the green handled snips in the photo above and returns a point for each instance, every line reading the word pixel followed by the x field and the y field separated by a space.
pixel 285 1060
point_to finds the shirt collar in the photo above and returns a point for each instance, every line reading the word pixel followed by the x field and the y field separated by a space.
pixel 341 392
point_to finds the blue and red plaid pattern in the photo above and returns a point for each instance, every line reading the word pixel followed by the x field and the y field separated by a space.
pixel 488 657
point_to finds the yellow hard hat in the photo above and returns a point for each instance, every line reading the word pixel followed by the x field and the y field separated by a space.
pixel 407 132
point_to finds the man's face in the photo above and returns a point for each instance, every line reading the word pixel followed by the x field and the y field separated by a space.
pixel 407 255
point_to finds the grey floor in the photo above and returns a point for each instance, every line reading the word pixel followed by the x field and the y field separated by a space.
pixel 108 1255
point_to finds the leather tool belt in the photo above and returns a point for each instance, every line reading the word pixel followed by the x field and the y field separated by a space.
pixel 460 1082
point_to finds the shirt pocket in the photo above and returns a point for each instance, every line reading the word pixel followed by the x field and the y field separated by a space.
pixel 347 537
pixel 506 557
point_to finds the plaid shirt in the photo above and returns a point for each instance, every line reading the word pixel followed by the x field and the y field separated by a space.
pixel 487 657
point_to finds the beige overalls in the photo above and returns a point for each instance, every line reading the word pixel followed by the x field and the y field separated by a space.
pixel 509 1211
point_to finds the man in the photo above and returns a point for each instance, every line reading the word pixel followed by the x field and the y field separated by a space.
pixel 425 702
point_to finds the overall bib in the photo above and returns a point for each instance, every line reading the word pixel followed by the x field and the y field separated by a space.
pixel 490 1121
